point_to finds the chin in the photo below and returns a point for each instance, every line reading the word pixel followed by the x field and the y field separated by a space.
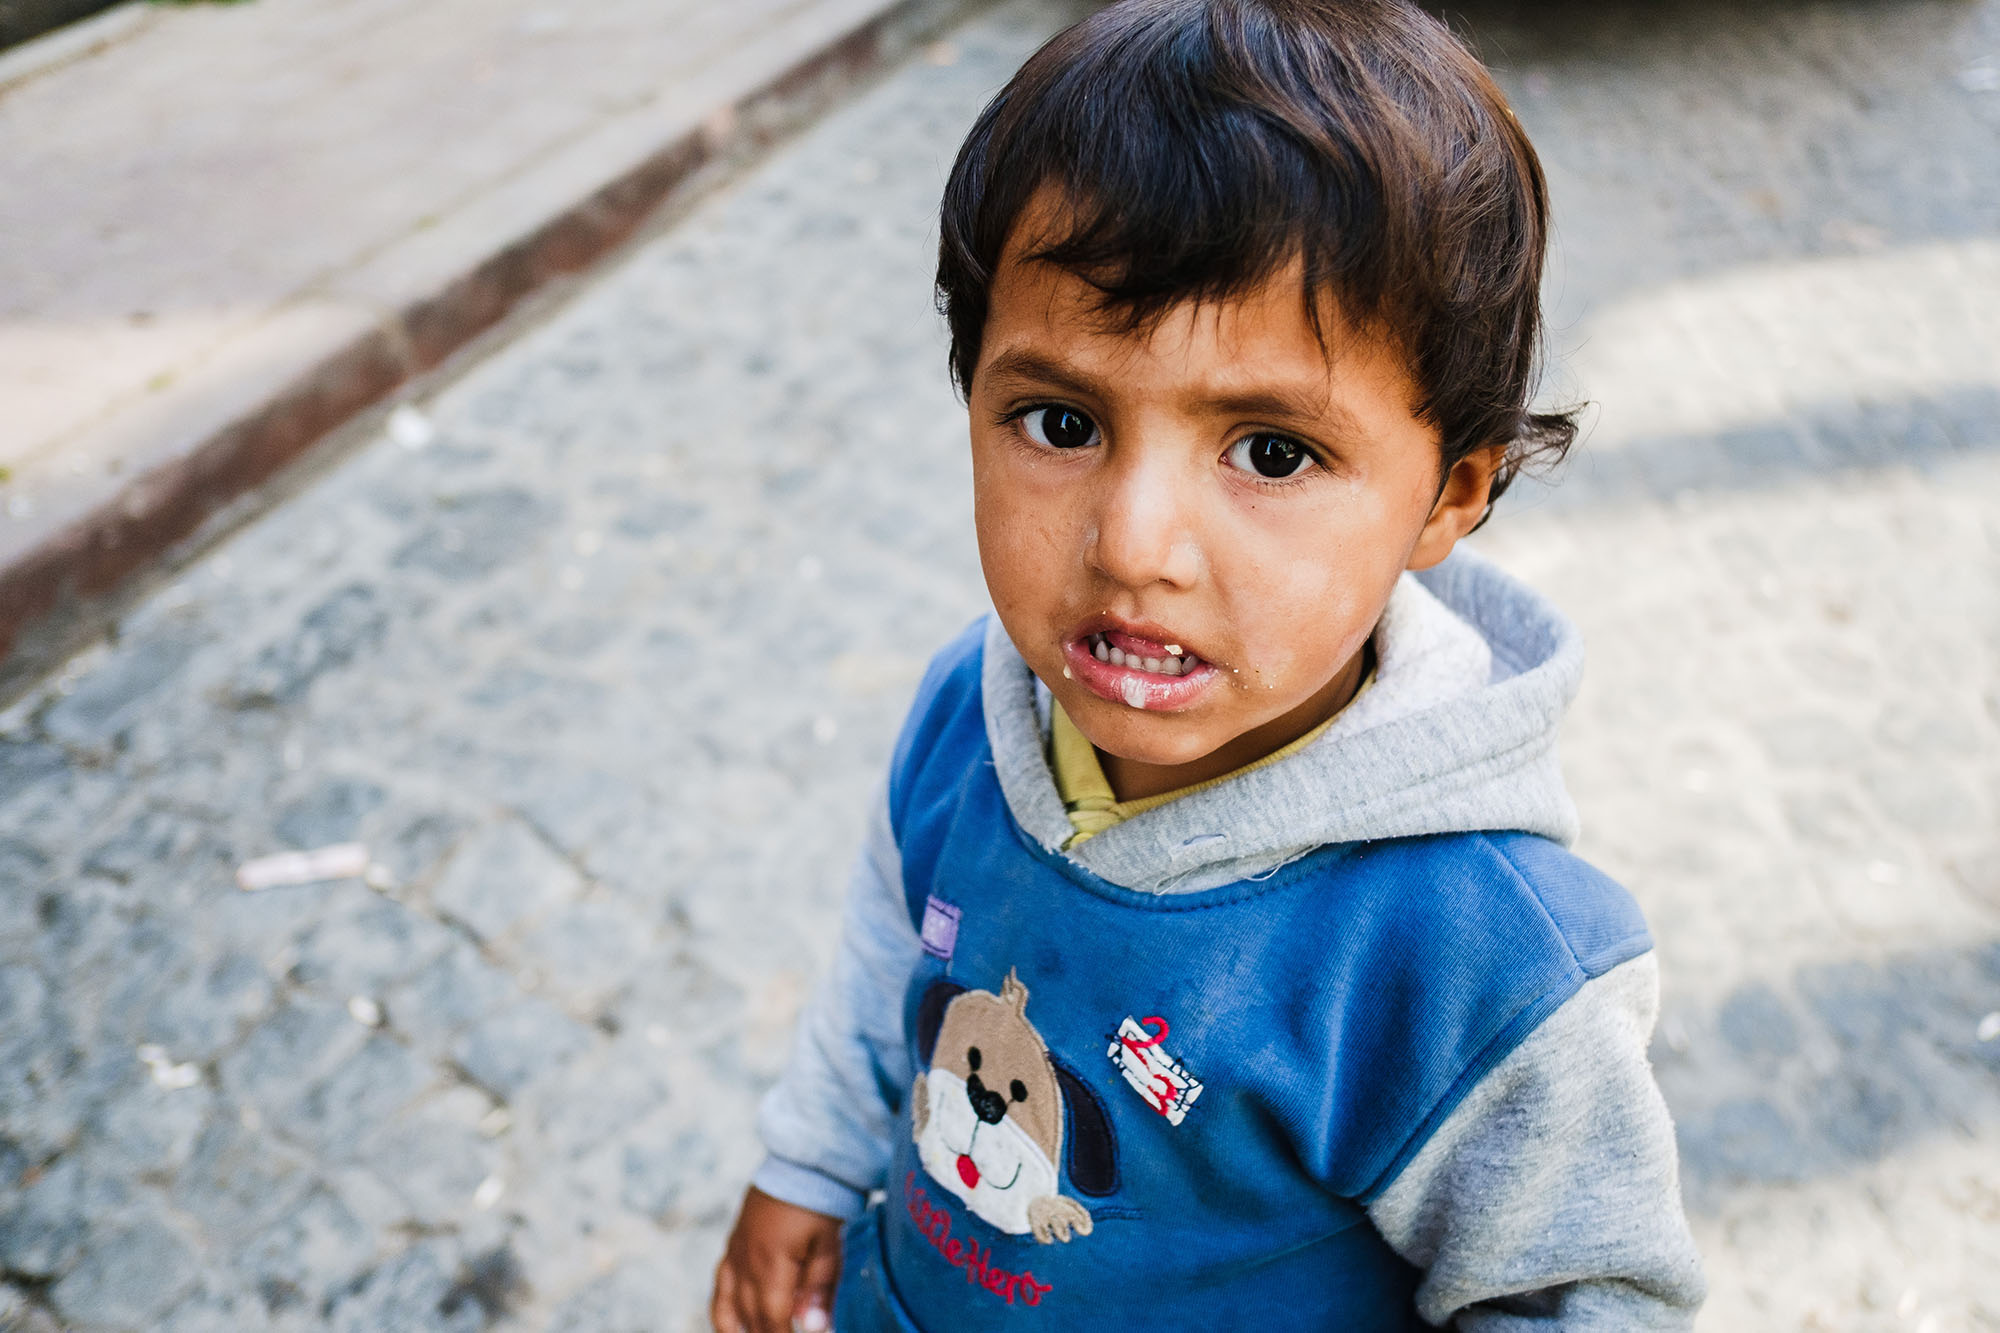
pixel 1162 740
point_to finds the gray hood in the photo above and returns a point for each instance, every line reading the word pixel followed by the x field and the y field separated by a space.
pixel 1457 734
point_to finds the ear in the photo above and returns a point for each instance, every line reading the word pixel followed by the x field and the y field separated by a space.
pixel 1461 503
pixel 930 1016
pixel 1093 1150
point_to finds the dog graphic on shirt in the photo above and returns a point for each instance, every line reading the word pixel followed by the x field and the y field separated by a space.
pixel 988 1115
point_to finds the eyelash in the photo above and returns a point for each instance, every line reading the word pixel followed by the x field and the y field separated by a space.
pixel 1014 416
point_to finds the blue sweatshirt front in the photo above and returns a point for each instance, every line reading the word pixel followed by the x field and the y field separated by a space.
pixel 1134 1105
pixel 1349 1042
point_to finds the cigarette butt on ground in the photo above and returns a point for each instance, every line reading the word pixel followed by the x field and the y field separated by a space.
pixel 343 860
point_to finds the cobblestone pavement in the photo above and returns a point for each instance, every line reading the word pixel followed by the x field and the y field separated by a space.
pixel 601 673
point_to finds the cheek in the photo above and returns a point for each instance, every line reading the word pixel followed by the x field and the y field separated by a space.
pixel 1026 529
pixel 1309 590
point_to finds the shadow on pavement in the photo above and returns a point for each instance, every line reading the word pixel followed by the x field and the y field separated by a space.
pixel 1920 432
pixel 1838 1067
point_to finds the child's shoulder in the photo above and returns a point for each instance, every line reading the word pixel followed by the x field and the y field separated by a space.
pixel 946 714
pixel 1458 892
pixel 1463 944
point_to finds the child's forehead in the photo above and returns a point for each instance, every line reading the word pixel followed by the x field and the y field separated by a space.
pixel 1264 310
pixel 1261 351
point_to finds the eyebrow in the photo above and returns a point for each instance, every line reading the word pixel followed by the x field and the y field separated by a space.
pixel 1021 366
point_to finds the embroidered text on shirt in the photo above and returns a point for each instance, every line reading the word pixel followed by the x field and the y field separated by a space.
pixel 935 1224
pixel 1162 1080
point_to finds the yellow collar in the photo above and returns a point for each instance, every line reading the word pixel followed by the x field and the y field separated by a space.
pixel 1086 793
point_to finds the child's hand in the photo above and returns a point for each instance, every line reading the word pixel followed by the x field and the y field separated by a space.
pixel 779 1269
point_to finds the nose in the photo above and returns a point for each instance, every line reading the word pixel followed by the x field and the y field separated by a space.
pixel 1146 522
pixel 989 1106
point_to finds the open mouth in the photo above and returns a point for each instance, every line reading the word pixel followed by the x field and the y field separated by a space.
pixel 1139 672
pixel 1169 659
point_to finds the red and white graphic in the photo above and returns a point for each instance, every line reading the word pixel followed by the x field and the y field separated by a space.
pixel 1155 1075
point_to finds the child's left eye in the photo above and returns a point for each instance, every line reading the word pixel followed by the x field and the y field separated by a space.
pixel 1273 456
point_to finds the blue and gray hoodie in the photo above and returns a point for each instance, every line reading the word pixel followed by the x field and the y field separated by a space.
pixel 1349 1041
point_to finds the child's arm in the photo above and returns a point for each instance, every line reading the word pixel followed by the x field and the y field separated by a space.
pixel 1549 1199
pixel 828 1124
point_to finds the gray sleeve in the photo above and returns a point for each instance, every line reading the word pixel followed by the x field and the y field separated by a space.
pixel 829 1121
pixel 1550 1199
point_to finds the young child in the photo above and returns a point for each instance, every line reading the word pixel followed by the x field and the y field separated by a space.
pixel 1215 960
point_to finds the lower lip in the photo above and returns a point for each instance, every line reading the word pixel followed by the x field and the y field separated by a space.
pixel 1136 689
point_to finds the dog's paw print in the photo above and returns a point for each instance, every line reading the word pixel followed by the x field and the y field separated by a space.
pixel 1054 1218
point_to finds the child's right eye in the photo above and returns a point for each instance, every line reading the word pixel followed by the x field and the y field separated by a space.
pixel 1059 427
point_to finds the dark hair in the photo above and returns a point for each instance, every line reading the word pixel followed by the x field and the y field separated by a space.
pixel 1201 146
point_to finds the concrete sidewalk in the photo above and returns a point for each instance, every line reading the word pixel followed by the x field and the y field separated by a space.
pixel 228 229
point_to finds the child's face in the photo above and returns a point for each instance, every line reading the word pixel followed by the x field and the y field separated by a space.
pixel 1216 498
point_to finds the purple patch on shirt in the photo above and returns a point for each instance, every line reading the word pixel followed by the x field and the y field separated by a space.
pixel 940 933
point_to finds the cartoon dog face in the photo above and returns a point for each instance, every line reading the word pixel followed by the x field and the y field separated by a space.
pixel 989 1115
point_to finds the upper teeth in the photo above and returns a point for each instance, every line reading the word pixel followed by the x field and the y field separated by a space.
pixel 1173 664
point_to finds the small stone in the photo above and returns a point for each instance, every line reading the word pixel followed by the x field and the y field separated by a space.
pixel 175 1077
pixel 364 1011
pixel 1989 1027
pixel 410 428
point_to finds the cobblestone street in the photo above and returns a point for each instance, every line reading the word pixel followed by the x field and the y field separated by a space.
pixel 601 650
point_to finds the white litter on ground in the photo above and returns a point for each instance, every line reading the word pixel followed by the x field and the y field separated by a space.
pixel 411 428
pixel 343 860
pixel 166 1073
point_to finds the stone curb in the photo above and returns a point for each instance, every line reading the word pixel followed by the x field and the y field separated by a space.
pixel 62 587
